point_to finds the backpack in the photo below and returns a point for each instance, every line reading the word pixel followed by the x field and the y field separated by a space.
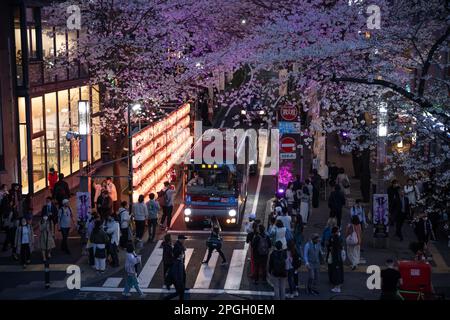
pixel 279 264
pixel 263 246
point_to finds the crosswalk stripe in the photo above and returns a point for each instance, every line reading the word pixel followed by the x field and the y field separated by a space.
pixel 112 282
pixel 206 272
pixel 236 270
pixel 188 256
pixel 150 267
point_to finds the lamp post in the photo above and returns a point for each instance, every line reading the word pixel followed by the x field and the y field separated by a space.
pixel 381 145
pixel 131 108
pixel 84 142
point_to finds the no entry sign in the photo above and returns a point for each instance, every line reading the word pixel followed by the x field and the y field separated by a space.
pixel 288 113
pixel 288 145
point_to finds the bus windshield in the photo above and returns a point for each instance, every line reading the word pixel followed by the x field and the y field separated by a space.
pixel 216 180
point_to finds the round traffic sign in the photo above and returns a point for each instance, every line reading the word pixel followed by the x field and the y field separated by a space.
pixel 288 145
pixel 288 112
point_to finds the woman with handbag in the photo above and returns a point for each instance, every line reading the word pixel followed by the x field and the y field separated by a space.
pixel 335 260
pixel 46 237
pixel 214 242
pixel 353 240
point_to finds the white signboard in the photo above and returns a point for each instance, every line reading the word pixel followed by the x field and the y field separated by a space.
pixel 287 156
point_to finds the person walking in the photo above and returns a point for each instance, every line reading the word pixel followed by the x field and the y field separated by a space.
pixel 279 234
pixel 358 210
pixel 326 235
pixel 8 221
pixel 24 242
pixel 61 190
pixel 423 228
pixel 298 233
pixel 104 205
pixel 394 200
pixel 51 211
pixel 97 188
pixel 46 237
pixel 250 236
pixel 99 240
pixel 132 262
pixel 27 208
pixel 215 242
pixel 311 257
pixel 335 260
pixel 286 219
pixel 333 171
pixel 52 178
pixel 113 230
pixel 343 181
pixel 177 277
pixel 290 197
pixel 304 203
pixel 353 240
pixel 336 202
pixel 153 209
pixel 413 194
pixel 124 218
pixel 293 263
pixel 167 258
pixel 316 181
pixel 112 193
pixel 65 220
pixel 140 215
pixel 261 247
pixel 400 216
pixel 391 280
pixel 277 270
pixel 167 195
pixel 16 199
pixel 179 251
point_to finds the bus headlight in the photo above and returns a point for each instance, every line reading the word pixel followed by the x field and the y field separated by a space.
pixel 186 219
pixel 187 212
pixel 228 221
pixel 233 220
pixel 232 213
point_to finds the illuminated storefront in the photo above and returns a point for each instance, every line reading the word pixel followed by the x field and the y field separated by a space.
pixel 157 148
pixel 52 115
pixel 46 100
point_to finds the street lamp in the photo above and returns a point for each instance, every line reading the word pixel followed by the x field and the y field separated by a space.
pixel 84 129
pixel 136 108
pixel 381 148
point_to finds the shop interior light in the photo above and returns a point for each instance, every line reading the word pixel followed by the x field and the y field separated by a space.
pixel 203 166
pixel 209 166
pixel 83 117
pixel 215 166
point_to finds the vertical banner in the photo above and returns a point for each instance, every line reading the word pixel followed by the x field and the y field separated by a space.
pixel 83 205
pixel 380 216
pixel 283 77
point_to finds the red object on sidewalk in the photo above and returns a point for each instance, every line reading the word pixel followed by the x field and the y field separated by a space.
pixel 416 276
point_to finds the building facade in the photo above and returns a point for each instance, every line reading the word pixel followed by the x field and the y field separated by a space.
pixel 38 105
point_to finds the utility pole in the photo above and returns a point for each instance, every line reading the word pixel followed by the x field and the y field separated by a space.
pixel 130 161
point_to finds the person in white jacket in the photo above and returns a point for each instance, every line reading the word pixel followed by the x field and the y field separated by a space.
pixel 124 218
pixel 140 214
pixel 113 230
pixel 412 193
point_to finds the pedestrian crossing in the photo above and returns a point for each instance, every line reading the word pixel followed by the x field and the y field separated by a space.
pixel 149 276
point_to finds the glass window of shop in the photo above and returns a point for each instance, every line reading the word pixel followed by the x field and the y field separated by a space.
pixel 37 115
pixel 51 130
pixel 61 50
pixel 48 53
pixel 31 33
pixel 39 172
pixel 72 42
pixel 95 99
pixel 23 151
pixel 18 47
pixel 64 126
pixel 96 139
pixel 74 98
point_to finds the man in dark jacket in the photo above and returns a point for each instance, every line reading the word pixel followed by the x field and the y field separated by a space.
pixel 179 251
pixel 333 171
pixel 177 275
pixel 277 268
pixel 335 202
pixel 394 200
pixel 61 190
pixel 167 257
pixel 104 205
